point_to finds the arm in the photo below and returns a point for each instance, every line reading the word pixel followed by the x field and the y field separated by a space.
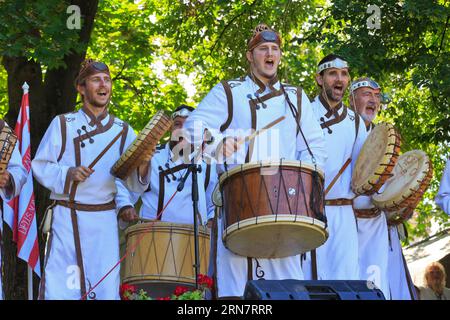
pixel 16 176
pixel 443 196
pixel 313 134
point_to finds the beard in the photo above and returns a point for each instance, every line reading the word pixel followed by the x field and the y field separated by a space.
pixel 330 95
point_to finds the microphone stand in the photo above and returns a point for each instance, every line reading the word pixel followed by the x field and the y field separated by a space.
pixel 194 169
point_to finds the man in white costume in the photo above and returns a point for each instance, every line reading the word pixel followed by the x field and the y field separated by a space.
pixel 345 133
pixel 365 98
pixel 168 166
pixel 380 251
pixel 73 161
pixel 11 182
pixel 235 108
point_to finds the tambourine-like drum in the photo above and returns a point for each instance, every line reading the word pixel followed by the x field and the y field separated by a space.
pixel 165 257
pixel 144 143
pixel 376 160
pixel 8 141
pixel 404 190
pixel 272 209
pixel 375 163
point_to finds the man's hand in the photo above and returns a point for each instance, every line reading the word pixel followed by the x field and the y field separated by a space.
pixel 230 146
pixel 128 214
pixel 79 174
pixel 144 165
pixel 5 179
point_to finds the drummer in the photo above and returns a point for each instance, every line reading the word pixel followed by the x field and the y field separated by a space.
pixel 345 133
pixel 84 243
pixel 168 167
pixel 380 250
pixel 240 105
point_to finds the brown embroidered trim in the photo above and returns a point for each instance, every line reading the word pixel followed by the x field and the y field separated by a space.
pixel 336 120
pixel 93 119
pixel 214 230
pixel 252 105
pixel 67 183
pixel 62 121
pixel 77 241
pixel 124 137
pixel 207 176
pixel 330 110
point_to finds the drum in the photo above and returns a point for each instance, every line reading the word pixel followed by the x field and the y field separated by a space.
pixel 376 160
pixel 144 143
pixel 8 141
pixel 272 209
pixel 404 190
pixel 165 257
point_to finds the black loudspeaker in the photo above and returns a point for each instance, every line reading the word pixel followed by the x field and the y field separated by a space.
pixel 312 290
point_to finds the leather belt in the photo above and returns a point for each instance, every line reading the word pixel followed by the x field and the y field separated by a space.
pixel 339 202
pixel 87 207
pixel 367 213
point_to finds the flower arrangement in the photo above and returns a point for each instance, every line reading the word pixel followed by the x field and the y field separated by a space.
pixel 130 292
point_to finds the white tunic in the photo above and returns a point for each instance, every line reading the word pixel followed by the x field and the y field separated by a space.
pixel 19 177
pixel 337 258
pixel 281 141
pixel 443 196
pixel 373 245
pixel 97 229
pixel 180 209
pixel 400 282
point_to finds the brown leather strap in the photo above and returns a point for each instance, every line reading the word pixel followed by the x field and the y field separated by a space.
pixel 249 269
pixel 339 202
pixel 101 154
pixel 314 264
pixel 87 207
pixel 367 213
pixel 341 171
pixel 124 137
pixel 77 241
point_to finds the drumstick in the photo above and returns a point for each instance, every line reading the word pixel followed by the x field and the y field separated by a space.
pixel 258 132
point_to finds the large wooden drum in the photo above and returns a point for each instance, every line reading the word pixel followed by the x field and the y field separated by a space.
pixel 165 257
pixel 273 209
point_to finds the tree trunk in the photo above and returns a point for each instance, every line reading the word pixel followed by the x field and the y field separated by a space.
pixel 54 95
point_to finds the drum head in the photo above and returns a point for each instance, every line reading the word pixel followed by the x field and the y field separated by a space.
pixel 411 177
pixel 290 235
pixel 376 159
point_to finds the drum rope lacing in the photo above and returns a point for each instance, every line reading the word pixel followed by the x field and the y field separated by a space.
pixel 133 249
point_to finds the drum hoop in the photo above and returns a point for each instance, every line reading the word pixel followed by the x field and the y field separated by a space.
pixel 264 164
pixel 412 193
pixel 164 226
pixel 374 181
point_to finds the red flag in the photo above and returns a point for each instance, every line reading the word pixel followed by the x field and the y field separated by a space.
pixel 20 212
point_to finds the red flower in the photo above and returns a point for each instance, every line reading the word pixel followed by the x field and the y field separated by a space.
pixel 126 290
pixel 164 298
pixel 179 290
pixel 204 280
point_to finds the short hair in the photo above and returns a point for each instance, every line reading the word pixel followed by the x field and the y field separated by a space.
pixel 438 265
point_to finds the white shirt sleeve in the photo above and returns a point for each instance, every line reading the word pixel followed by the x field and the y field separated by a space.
pixel 46 169
pixel 18 175
pixel 443 196
pixel 313 134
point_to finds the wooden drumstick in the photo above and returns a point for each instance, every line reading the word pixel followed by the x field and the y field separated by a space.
pixel 258 132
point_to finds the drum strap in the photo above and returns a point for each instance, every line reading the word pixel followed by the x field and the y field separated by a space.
pixel 341 171
pixel 249 269
pixel 227 88
pixel 207 176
